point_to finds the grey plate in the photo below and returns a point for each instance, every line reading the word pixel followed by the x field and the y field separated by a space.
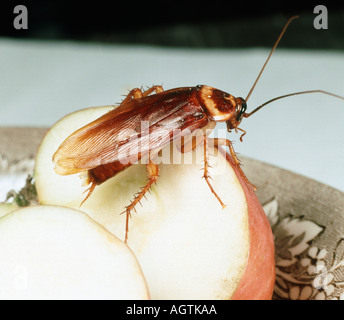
pixel 307 217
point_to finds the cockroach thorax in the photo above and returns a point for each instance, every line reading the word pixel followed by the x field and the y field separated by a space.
pixel 220 105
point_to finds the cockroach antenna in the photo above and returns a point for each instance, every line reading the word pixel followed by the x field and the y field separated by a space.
pixel 246 115
pixel 271 52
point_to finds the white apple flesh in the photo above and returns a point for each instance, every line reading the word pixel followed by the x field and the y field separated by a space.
pixel 51 252
pixel 187 245
pixel 6 208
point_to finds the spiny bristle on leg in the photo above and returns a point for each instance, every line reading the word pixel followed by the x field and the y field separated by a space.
pixel 206 174
pixel 153 172
pixel 89 190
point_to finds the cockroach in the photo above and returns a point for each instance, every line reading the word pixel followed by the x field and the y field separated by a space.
pixel 101 148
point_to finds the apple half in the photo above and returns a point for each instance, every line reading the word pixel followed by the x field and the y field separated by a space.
pixel 6 208
pixel 187 245
pixel 52 252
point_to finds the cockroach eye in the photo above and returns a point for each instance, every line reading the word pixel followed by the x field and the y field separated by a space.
pixel 243 107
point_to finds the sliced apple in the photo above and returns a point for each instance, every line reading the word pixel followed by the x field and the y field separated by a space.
pixel 187 245
pixel 6 208
pixel 51 252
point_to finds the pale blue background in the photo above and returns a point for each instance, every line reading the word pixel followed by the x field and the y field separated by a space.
pixel 40 82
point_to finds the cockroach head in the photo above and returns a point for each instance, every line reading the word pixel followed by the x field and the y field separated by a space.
pixel 240 109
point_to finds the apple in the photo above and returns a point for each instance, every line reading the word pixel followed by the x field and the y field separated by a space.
pixel 187 245
pixel 7 208
pixel 52 252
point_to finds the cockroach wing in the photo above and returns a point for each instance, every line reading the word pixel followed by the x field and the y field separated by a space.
pixel 130 130
pixel 82 149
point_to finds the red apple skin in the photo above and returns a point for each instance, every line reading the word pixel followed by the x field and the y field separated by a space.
pixel 257 282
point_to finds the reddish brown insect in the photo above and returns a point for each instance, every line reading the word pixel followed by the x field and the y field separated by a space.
pixel 113 142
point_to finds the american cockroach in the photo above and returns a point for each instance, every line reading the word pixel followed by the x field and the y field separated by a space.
pixel 115 141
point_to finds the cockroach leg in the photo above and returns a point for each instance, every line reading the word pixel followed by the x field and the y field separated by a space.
pixel 153 173
pixel 133 94
pixel 137 93
pixel 157 89
pixel 242 130
pixel 188 145
pixel 217 142
pixel 206 175
pixel 89 191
